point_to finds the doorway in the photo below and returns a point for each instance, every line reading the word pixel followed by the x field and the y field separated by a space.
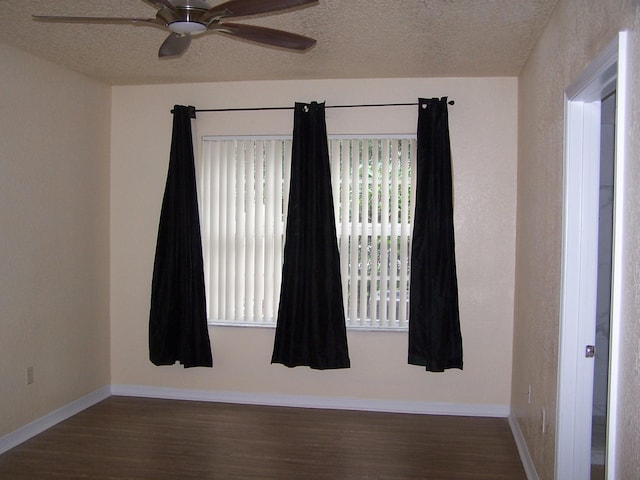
pixel 603 289
pixel 588 364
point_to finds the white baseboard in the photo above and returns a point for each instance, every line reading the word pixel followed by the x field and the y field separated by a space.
pixel 523 449
pixel 307 401
pixel 32 429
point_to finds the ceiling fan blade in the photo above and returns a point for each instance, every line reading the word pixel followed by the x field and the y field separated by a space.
pixel 174 45
pixel 241 8
pixel 268 36
pixel 63 19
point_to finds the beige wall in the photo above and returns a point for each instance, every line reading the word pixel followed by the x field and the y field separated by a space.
pixel 483 130
pixel 54 240
pixel 577 32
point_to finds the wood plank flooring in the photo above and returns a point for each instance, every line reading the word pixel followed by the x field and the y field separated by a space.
pixel 135 438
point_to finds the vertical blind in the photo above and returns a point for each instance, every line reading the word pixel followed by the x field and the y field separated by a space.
pixel 244 192
pixel 372 178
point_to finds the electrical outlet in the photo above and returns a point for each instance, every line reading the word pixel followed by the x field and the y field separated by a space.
pixel 529 395
pixel 29 375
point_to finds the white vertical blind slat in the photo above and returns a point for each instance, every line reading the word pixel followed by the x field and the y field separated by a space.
pixel 374 296
pixel 404 233
pixel 336 187
pixel 394 213
pixel 277 221
pixel 230 231
pixel 240 219
pixel 354 270
pixel 384 235
pixel 341 149
pixel 363 227
pixel 270 189
pixel 258 301
pixel 215 232
pixel 250 239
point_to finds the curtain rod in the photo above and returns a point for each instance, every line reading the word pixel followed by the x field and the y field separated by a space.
pixel 362 105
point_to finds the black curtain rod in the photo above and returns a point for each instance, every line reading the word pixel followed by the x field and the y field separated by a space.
pixel 363 105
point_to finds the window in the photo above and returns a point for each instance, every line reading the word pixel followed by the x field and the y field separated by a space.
pixel 244 192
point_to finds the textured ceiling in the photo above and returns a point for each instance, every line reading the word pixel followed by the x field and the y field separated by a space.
pixel 356 39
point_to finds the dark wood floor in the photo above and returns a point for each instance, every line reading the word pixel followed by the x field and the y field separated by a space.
pixel 133 438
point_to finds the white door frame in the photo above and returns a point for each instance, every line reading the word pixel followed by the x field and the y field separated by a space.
pixel 580 259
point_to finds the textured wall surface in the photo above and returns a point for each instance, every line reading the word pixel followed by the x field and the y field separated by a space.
pixel 577 32
pixel 54 247
pixel 483 132
pixel 628 458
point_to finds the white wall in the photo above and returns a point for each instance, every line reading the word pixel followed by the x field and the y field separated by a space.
pixel 577 32
pixel 483 130
pixel 54 237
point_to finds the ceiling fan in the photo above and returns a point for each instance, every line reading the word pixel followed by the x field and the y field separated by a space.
pixel 186 18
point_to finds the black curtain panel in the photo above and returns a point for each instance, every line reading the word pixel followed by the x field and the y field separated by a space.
pixel 435 341
pixel 178 319
pixel 311 327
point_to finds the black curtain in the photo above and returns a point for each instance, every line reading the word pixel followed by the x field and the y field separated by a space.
pixel 435 341
pixel 311 327
pixel 178 319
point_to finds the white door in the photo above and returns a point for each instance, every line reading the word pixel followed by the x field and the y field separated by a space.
pixel 580 263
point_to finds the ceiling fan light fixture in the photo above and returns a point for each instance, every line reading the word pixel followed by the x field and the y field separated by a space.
pixel 187 28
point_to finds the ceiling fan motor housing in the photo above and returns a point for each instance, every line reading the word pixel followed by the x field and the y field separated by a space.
pixel 184 20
